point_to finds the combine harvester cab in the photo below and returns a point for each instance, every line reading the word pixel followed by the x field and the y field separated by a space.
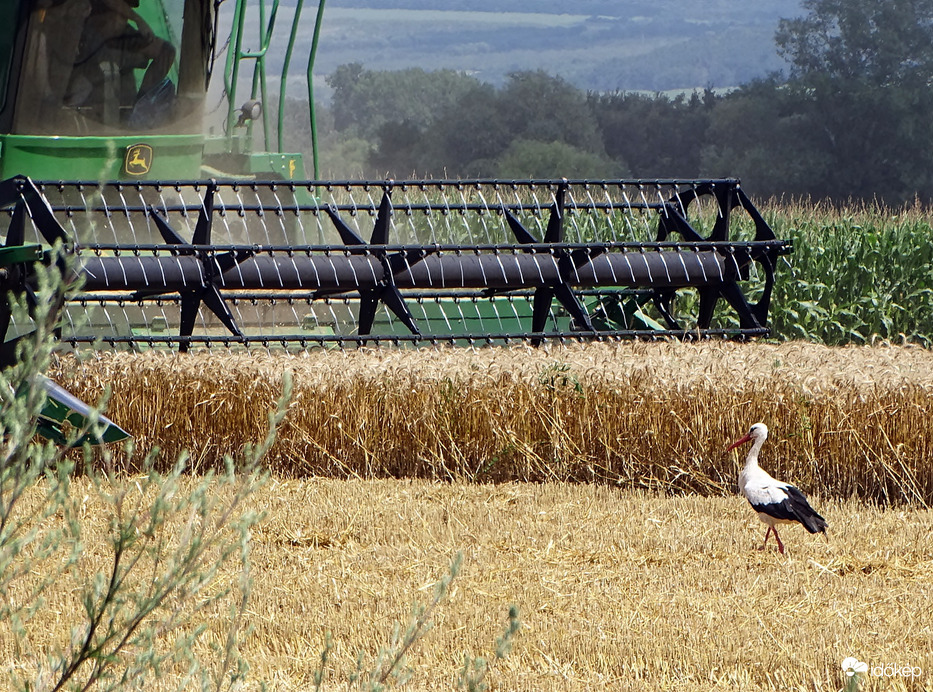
pixel 185 240
pixel 116 90
pixel 96 93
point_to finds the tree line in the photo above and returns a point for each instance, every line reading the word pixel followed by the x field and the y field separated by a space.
pixel 850 119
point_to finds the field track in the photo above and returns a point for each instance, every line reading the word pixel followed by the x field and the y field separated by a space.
pixel 845 422
pixel 618 590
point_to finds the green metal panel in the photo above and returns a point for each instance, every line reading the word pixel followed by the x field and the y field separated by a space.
pixel 288 166
pixel 174 157
pixel 223 160
pixel 63 413
pixel 464 316
pixel 20 254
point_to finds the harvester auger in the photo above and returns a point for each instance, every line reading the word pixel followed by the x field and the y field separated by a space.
pixel 295 264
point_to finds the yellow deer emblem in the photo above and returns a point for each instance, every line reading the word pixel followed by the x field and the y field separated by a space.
pixel 138 159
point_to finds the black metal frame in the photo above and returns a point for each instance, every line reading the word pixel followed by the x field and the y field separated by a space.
pixel 201 273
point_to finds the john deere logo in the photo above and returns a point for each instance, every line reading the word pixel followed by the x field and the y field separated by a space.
pixel 138 159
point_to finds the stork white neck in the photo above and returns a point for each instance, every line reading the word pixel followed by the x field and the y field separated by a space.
pixel 751 460
pixel 757 436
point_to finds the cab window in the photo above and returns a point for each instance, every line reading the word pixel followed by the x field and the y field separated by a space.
pixel 104 67
pixel 8 16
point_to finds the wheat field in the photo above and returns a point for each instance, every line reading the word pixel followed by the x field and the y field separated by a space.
pixel 587 485
pixel 846 421
pixel 616 589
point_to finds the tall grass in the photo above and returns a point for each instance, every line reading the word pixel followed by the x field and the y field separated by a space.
pixel 857 272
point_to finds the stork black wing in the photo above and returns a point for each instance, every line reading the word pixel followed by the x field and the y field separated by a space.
pixel 794 507
pixel 805 514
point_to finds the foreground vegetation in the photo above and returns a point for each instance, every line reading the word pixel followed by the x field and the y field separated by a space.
pixel 125 567
pixel 617 590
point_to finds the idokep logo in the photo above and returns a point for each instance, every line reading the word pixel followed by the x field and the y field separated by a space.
pixel 896 670
pixel 852 666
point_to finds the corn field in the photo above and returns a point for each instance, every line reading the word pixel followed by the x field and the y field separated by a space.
pixel 857 273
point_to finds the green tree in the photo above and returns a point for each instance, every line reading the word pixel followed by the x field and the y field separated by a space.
pixel 860 70
pixel 653 135
pixel 469 137
pixel 398 151
pixel 763 134
pixel 366 100
pixel 472 135
pixel 540 107
pixel 875 42
pixel 527 158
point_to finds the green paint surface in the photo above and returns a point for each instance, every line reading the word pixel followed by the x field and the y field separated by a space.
pixel 175 157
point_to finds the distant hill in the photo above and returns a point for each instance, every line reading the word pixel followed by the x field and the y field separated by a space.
pixel 601 45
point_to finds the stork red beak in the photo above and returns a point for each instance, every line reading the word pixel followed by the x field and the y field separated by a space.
pixel 735 444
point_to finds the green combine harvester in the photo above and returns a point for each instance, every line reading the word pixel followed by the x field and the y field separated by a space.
pixel 116 89
pixel 187 238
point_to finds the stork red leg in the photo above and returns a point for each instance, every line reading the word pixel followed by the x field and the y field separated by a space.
pixel 778 539
pixel 767 533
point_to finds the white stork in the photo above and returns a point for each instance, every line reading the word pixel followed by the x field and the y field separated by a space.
pixel 776 502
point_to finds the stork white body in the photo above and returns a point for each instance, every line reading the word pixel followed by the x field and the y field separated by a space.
pixel 775 502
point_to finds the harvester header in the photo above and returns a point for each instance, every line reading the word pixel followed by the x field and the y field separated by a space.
pixel 353 262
